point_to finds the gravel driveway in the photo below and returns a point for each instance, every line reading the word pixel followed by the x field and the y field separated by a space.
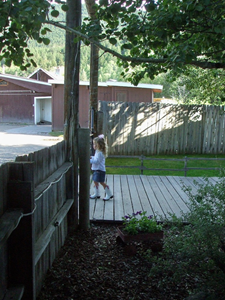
pixel 18 140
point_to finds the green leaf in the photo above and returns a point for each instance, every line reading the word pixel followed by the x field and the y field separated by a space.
pixel 28 9
pixel 39 40
pixel 46 41
pixel 150 6
pixel 127 46
pixel 33 63
pixel 65 7
pixel 103 2
pixel 113 41
pixel 76 39
pixel 199 7
pixel 43 31
pixel 131 9
pixel 55 13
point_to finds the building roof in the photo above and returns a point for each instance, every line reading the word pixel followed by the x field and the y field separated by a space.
pixel 155 87
pixel 53 76
pixel 30 84
pixel 24 79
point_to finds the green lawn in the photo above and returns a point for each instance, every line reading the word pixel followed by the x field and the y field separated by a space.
pixel 166 164
pixel 56 133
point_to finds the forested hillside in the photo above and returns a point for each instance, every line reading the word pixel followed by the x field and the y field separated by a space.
pixel 195 86
pixel 51 56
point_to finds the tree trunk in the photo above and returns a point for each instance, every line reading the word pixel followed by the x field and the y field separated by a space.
pixel 71 98
pixel 94 88
pixel 93 75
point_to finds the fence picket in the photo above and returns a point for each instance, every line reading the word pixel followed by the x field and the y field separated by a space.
pixel 155 128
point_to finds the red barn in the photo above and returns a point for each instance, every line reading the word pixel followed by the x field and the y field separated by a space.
pixel 107 91
pixel 24 100
pixel 33 100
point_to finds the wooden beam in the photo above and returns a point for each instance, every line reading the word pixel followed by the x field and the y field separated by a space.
pixel 45 238
pixel 84 188
pixel 8 222
pixel 14 293
pixel 20 192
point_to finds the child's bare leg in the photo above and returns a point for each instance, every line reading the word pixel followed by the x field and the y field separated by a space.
pixel 103 184
pixel 96 184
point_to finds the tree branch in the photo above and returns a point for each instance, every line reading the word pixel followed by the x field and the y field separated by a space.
pixel 201 64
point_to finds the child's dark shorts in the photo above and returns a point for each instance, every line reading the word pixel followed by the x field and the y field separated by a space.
pixel 98 176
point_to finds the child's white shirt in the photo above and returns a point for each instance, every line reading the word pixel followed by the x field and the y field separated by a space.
pixel 98 161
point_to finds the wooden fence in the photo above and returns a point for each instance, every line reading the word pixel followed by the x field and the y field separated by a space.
pixel 154 128
pixel 36 199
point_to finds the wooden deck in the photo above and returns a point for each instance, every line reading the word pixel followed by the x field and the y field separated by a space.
pixel 158 195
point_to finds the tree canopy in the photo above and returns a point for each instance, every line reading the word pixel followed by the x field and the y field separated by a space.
pixel 20 22
pixel 153 36
pixel 162 35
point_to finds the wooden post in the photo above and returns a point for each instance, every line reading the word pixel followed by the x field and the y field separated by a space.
pixel 185 166
pixel 73 212
pixel 20 193
pixel 100 123
pixel 142 164
pixel 84 188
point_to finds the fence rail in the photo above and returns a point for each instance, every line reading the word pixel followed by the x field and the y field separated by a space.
pixel 185 169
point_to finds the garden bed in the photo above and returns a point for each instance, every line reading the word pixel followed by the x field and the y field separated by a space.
pixel 92 265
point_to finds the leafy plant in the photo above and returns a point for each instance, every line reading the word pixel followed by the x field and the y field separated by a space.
pixel 139 222
pixel 196 251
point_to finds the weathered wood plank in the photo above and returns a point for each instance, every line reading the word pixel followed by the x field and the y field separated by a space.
pixel 177 187
pixel 149 128
pixel 52 179
pixel 160 196
pixel 14 293
pixel 127 204
pixel 154 203
pixel 99 209
pixel 8 222
pixel 136 204
pixel 172 204
pixel 109 205
pixel 172 197
pixel 157 195
pixel 92 202
pixel 142 195
pixel 45 238
pixel 118 204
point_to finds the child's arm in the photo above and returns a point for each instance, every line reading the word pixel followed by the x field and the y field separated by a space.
pixel 97 158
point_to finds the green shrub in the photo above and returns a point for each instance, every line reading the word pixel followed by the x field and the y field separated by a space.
pixel 196 252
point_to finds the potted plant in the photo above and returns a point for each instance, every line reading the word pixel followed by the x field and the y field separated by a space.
pixel 139 227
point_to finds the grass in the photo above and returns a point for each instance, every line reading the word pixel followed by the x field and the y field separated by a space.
pixel 56 133
pixel 123 163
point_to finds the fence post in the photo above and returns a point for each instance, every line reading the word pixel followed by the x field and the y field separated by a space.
pixel 100 122
pixel 84 170
pixel 142 164
pixel 20 192
pixel 185 166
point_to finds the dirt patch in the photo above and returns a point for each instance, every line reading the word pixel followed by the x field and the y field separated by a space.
pixel 93 265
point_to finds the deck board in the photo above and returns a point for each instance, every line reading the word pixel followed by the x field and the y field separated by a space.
pixel 144 200
pixel 157 195
pixel 109 209
pixel 118 205
pixel 153 202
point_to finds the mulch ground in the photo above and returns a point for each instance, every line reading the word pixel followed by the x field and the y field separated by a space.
pixel 94 265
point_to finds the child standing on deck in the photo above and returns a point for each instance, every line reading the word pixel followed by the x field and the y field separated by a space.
pixel 98 167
